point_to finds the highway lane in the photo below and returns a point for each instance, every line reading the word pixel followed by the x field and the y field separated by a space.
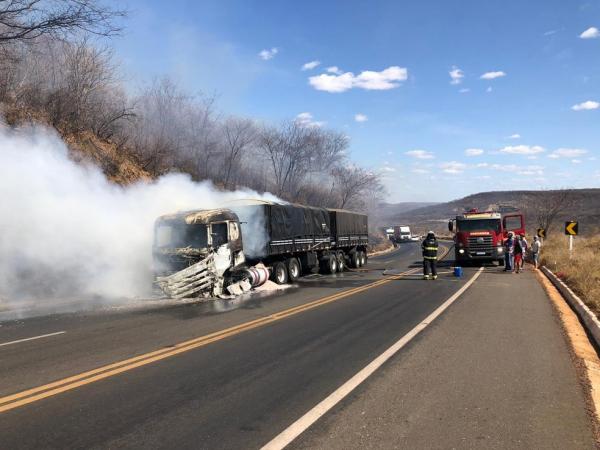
pixel 236 392
pixel 93 339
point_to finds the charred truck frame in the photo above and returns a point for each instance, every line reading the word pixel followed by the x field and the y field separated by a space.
pixel 215 252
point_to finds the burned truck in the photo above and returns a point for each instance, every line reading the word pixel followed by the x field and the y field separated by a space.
pixel 227 251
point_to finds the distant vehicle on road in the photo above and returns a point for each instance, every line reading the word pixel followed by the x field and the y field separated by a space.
pixel 399 234
pixel 201 253
pixel 479 235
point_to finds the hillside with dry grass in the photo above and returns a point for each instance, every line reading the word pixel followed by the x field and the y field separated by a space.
pixel 581 271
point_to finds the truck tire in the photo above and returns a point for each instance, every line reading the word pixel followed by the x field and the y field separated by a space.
pixel 355 260
pixel 341 260
pixel 363 259
pixel 329 264
pixel 280 273
pixel 293 269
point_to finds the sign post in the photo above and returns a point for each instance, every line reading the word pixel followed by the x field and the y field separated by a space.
pixel 571 229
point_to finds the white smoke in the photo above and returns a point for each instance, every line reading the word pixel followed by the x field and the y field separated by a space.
pixel 67 231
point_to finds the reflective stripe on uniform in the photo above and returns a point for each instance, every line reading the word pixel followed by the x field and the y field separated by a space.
pixel 430 257
pixel 434 249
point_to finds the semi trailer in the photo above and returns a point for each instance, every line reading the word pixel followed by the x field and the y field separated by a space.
pixel 229 250
pixel 399 234
pixel 479 236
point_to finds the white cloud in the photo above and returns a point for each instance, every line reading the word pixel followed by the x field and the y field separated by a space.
pixel 305 119
pixel 456 75
pixel 360 118
pixel 268 54
pixel 388 169
pixel 567 153
pixel 453 167
pixel 474 152
pixel 576 161
pixel 514 136
pixel 522 149
pixel 492 75
pixel 590 33
pixel 586 106
pixel 368 79
pixel 519 170
pixel 550 32
pixel 489 89
pixel 420 171
pixel 420 154
pixel 464 90
pixel 310 65
pixel 334 69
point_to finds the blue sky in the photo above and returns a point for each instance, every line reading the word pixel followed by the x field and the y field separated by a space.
pixel 525 97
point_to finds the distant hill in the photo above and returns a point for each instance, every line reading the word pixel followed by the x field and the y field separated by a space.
pixel 389 211
pixel 583 205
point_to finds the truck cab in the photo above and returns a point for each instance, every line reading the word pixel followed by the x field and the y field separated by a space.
pixel 185 238
pixel 479 236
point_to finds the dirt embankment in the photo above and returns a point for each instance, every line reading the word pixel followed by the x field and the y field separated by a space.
pixel 116 161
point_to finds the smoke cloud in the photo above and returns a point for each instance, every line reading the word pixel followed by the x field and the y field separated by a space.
pixel 66 231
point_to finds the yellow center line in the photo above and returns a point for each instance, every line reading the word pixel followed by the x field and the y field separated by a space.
pixel 38 393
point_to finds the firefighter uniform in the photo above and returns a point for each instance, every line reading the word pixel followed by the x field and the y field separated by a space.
pixel 430 249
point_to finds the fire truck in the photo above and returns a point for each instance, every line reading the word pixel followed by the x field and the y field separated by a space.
pixel 479 236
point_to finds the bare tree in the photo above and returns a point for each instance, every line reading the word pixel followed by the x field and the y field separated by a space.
pixel 547 209
pixel 238 135
pixel 26 20
pixel 296 151
pixel 353 183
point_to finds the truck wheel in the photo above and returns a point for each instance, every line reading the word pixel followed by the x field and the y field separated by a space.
pixel 332 264
pixel 341 260
pixel 293 269
pixel 280 273
pixel 363 259
pixel 355 260
pixel 329 264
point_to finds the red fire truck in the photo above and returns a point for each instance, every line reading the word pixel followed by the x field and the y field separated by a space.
pixel 479 235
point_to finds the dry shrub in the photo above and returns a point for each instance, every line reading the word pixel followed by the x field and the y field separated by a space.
pixel 582 271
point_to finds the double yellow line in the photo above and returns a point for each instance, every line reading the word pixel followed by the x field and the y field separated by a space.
pixel 48 390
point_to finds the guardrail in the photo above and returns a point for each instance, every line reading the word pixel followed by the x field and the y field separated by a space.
pixel 585 314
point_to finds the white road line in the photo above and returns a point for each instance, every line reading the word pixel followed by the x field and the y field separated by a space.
pixel 302 424
pixel 32 338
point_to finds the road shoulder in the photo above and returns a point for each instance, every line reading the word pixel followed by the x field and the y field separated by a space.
pixel 493 372
pixel 585 358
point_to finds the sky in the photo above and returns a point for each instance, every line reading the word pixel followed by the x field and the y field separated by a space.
pixel 444 99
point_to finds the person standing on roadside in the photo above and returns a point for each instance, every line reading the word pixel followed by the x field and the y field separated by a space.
pixel 535 251
pixel 518 255
pixel 430 249
pixel 508 253
pixel 525 247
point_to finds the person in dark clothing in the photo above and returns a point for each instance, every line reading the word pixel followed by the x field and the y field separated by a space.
pixel 509 248
pixel 430 249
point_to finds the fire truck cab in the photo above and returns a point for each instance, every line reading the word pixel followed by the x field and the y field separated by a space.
pixel 479 236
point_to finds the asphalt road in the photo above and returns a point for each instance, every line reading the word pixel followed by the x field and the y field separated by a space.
pixel 282 354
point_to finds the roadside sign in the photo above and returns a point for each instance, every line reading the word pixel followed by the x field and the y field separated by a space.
pixel 571 228
pixel 541 233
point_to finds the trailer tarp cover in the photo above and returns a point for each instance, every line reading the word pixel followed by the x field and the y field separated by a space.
pixel 346 223
pixel 294 221
pixel 267 222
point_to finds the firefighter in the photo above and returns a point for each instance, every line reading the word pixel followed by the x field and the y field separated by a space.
pixel 430 249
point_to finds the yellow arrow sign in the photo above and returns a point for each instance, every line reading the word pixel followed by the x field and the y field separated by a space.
pixel 571 228
pixel 541 233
